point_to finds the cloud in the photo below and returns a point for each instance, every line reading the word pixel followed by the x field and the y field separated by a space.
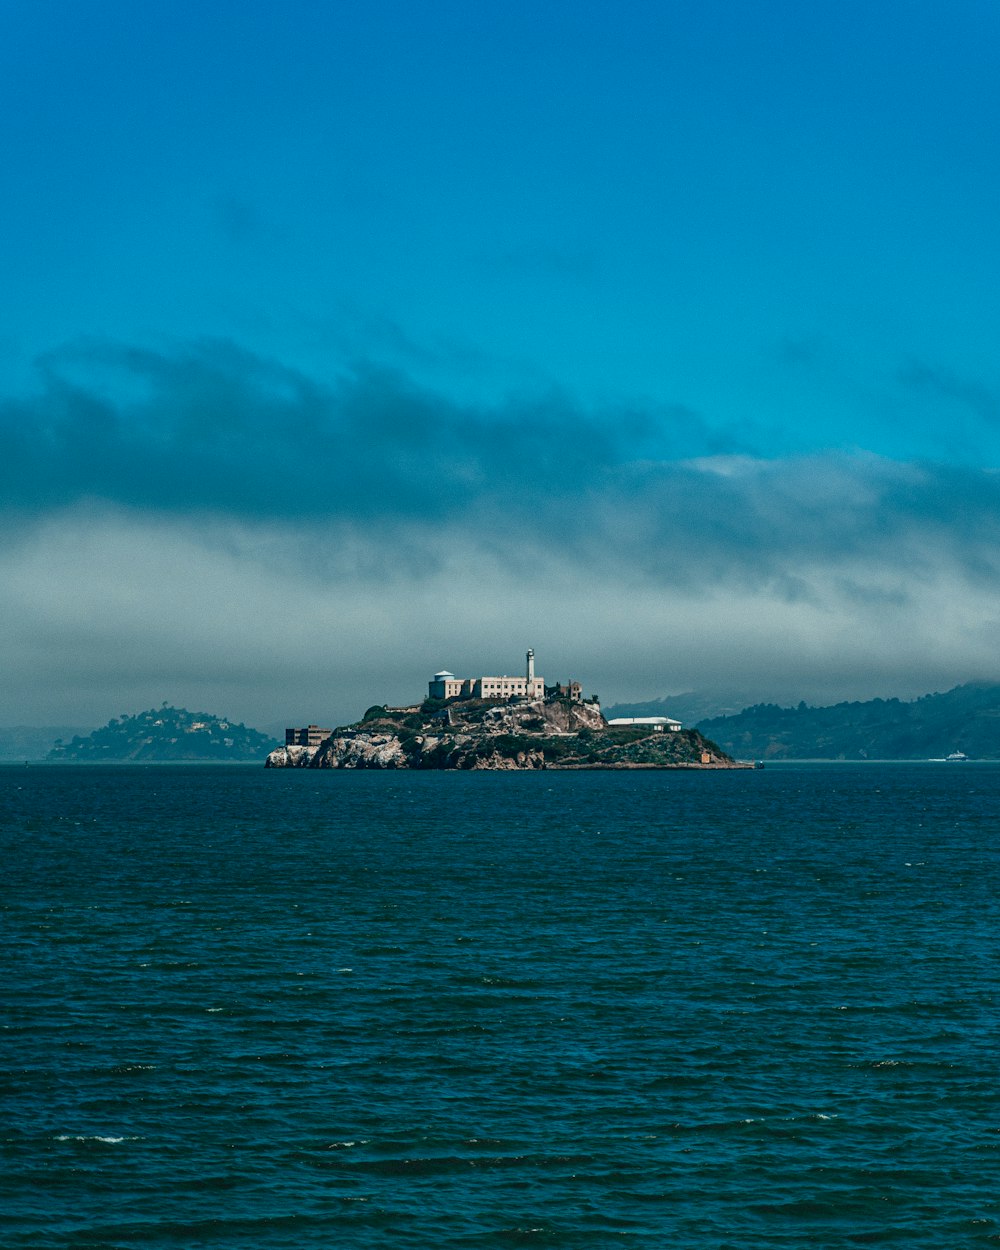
pixel 212 429
pixel 107 611
pixel 208 527
pixel 217 429
pixel 393 470
pixel 974 396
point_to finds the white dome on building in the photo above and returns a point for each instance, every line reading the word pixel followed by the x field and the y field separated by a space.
pixel 444 674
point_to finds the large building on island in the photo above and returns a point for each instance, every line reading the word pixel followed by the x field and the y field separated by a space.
pixel 306 736
pixel 445 685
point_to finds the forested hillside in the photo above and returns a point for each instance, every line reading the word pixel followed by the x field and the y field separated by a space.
pixel 965 719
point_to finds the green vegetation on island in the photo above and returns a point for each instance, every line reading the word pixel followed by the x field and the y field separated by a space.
pixel 166 734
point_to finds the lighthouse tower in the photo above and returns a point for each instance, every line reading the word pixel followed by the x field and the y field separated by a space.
pixel 534 687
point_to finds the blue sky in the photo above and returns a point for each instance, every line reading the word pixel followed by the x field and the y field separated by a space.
pixel 342 342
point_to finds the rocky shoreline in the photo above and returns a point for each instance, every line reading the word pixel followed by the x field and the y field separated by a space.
pixel 517 734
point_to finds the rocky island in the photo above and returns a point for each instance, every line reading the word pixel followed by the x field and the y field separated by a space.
pixel 498 723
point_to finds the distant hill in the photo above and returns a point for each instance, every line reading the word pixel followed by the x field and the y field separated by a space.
pixel 965 719
pixel 33 742
pixel 167 733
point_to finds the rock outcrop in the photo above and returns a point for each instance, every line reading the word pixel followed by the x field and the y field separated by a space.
pixel 290 757
pixel 516 734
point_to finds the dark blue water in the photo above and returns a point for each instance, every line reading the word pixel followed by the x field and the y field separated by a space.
pixel 287 1009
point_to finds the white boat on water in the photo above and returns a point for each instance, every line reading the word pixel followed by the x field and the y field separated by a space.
pixel 956 757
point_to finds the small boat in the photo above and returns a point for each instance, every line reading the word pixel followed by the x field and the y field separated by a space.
pixel 956 757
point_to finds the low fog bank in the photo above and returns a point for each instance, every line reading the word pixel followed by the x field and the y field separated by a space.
pixel 217 530
pixel 106 612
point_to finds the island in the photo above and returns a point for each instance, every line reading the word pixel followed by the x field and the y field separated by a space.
pixel 499 723
pixel 165 735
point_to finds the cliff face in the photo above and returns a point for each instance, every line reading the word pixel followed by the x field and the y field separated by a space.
pixel 290 757
pixel 475 734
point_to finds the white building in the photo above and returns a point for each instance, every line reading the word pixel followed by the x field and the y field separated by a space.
pixel 649 722
pixel 445 685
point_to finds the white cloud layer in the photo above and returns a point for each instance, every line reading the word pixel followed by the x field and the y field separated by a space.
pixel 105 610
pixel 210 528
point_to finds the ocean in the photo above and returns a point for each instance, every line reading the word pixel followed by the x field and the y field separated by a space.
pixel 353 1009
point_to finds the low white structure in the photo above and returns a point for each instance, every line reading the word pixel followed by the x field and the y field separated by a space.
pixel 445 685
pixel 649 722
